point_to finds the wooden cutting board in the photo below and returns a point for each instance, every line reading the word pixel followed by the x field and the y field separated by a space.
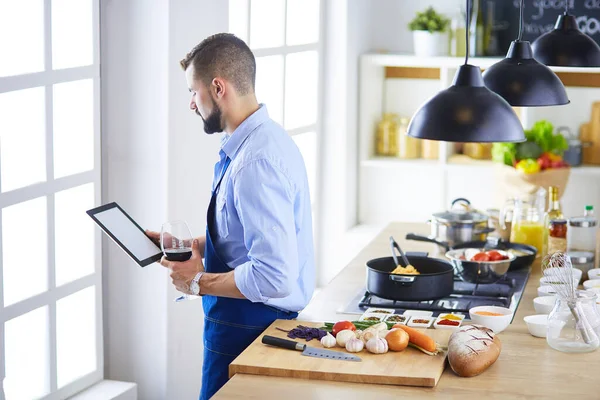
pixel 409 367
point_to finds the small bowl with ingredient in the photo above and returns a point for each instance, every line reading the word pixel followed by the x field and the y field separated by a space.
pixel 397 319
pixel 544 304
pixel 537 324
pixel 379 311
pixel 592 284
pixel 480 266
pixel 494 317
pixel 448 321
pixel 420 322
pixel 594 273
pixel 372 317
pixel 546 290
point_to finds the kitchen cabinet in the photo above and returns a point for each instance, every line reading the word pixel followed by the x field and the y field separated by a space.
pixel 410 190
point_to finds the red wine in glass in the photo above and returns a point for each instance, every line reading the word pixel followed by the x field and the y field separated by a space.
pixel 176 241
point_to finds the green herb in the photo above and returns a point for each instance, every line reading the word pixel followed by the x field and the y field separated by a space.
pixel 429 20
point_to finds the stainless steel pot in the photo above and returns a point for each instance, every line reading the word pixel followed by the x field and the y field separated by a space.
pixel 458 226
pixel 479 271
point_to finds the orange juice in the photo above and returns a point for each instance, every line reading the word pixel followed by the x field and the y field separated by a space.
pixel 527 232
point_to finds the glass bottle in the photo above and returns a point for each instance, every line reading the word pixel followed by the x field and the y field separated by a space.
pixel 527 225
pixel 574 328
pixel 386 139
pixel 476 30
pixel 557 236
pixel 408 147
pixel 582 233
pixel 458 47
pixel 554 212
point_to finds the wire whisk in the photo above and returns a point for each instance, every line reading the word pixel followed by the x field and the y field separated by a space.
pixel 558 270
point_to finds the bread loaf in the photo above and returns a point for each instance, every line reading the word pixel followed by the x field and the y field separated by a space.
pixel 472 349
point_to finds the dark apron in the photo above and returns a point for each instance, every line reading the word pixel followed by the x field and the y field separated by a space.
pixel 230 325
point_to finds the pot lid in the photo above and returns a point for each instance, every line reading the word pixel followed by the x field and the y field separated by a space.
pixel 462 217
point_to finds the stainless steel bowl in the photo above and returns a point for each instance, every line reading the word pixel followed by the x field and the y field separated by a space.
pixel 479 271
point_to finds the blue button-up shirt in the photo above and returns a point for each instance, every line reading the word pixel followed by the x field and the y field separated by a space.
pixel 263 214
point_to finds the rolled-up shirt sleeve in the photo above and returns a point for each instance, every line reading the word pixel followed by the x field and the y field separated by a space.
pixel 263 199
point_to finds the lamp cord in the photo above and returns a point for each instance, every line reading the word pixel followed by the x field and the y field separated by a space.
pixel 468 14
pixel 521 22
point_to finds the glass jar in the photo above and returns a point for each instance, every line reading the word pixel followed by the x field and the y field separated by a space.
pixel 386 140
pixel 430 149
pixel 527 225
pixel 408 147
pixel 569 334
pixel 557 236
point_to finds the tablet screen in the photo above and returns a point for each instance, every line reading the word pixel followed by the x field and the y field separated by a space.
pixel 127 234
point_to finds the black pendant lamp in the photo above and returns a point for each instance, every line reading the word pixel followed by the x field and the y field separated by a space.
pixel 467 111
pixel 521 80
pixel 566 45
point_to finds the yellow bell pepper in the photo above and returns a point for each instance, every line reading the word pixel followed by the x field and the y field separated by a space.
pixel 528 166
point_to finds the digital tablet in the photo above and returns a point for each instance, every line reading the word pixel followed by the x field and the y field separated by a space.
pixel 126 233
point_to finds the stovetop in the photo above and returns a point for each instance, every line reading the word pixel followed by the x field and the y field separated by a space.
pixel 505 293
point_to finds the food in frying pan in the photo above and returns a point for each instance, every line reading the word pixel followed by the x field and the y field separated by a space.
pixel 409 270
pixel 483 256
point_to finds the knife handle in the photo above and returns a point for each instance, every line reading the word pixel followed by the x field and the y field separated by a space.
pixel 286 344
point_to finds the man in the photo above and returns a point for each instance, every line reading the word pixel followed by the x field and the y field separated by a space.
pixel 258 249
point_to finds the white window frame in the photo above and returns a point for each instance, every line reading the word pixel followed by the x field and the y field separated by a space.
pixel 47 79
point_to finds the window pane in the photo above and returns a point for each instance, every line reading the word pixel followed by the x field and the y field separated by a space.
pixel 269 85
pixel 24 250
pixel 302 22
pixel 21 36
pixel 74 234
pixel 238 18
pixel 22 138
pixel 307 143
pixel 267 23
pixel 301 83
pixel 72 42
pixel 76 335
pixel 73 127
pixel 27 360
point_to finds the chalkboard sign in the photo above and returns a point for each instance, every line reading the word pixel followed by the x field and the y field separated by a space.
pixel 539 17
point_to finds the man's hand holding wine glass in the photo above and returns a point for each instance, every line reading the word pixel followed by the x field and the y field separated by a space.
pixel 182 272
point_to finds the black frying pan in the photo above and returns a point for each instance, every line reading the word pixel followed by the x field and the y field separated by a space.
pixel 522 261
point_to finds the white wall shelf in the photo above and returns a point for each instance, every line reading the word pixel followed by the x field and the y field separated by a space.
pixel 410 190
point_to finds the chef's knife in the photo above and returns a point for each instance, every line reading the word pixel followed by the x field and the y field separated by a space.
pixel 308 351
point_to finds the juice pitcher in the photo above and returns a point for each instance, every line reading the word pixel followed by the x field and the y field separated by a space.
pixel 528 225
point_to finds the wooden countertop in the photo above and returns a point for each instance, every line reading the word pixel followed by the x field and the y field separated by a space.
pixel 526 368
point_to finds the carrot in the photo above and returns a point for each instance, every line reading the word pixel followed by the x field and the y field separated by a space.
pixel 419 339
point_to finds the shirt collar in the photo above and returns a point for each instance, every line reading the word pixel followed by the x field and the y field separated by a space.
pixel 230 144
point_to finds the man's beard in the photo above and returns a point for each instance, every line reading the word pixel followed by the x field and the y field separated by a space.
pixel 212 124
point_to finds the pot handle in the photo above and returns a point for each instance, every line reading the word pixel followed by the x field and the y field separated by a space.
pixel 460 200
pixel 402 279
pixel 419 238
pixel 482 231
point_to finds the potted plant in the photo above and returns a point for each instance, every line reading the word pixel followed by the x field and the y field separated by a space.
pixel 430 33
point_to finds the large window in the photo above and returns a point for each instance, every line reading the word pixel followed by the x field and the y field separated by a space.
pixel 50 263
pixel 285 36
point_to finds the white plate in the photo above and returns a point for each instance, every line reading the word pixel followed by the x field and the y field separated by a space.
pixel 366 315
pixel 462 316
pixel 406 318
pixel 436 325
pixel 374 310
pixel 418 313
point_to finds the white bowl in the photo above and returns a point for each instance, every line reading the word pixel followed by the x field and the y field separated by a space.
pixel 577 273
pixel 496 323
pixel 544 304
pixel 546 291
pixel 591 284
pixel 594 273
pixel 545 279
pixel 537 324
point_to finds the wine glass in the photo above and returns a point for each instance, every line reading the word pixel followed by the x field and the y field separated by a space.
pixel 176 241
pixel 176 244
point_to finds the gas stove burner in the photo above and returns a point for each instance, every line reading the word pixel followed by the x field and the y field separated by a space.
pixel 505 293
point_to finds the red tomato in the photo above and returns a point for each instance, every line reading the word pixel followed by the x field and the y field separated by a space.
pixel 342 325
pixel 480 257
pixel 495 256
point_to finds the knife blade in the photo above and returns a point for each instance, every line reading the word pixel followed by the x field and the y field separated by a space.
pixel 308 351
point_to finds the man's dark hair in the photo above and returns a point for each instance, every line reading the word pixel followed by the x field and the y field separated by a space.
pixel 226 56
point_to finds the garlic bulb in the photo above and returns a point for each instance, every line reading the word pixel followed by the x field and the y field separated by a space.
pixel 377 345
pixel 380 326
pixel 368 334
pixel 354 345
pixel 328 340
pixel 343 336
pixel 358 333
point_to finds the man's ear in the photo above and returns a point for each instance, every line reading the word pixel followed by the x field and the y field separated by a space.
pixel 218 87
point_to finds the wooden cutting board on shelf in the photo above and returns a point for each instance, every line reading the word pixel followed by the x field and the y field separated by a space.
pixel 410 367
